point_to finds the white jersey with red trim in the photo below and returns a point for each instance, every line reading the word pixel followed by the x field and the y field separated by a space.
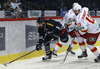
pixel 86 9
pixel 68 19
pixel 71 27
pixel 86 23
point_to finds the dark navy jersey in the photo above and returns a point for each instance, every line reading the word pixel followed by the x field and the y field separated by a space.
pixel 51 27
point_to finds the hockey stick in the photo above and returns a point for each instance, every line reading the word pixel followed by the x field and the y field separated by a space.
pixel 68 47
pixel 65 57
pixel 5 63
pixel 66 54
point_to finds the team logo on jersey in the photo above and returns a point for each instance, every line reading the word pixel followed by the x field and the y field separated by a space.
pixel 69 19
pixel 79 24
pixel 92 39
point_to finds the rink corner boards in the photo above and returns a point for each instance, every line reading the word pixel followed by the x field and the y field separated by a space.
pixel 7 58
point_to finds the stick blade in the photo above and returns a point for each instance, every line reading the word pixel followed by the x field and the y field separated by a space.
pixel 5 63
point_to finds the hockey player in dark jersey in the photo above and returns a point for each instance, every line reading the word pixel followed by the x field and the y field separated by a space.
pixel 48 30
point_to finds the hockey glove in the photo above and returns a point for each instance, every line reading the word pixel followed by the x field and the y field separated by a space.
pixel 77 34
pixel 55 37
pixel 38 47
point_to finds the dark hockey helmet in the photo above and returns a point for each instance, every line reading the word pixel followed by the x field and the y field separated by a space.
pixel 40 20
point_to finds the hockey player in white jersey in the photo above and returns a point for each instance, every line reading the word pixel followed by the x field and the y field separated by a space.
pixel 77 38
pixel 69 20
pixel 81 40
pixel 88 28
pixel 72 28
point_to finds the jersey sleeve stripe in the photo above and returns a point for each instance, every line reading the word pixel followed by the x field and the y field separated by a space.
pixel 69 24
pixel 84 30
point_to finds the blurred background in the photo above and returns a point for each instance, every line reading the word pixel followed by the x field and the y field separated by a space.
pixel 48 8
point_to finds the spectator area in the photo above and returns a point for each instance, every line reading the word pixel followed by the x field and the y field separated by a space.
pixel 20 7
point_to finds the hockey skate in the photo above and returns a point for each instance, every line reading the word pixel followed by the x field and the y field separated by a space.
pixel 54 54
pixel 97 59
pixel 84 55
pixel 70 50
pixel 47 56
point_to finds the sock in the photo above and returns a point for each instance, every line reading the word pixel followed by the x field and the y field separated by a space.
pixel 58 46
pixel 94 50
pixel 82 46
pixel 73 43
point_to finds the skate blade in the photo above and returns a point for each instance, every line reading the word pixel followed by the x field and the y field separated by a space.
pixel 84 58
pixel 54 56
pixel 97 61
pixel 46 60
pixel 71 53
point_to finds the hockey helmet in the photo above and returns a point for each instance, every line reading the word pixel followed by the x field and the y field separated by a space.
pixel 40 20
pixel 77 7
pixel 74 4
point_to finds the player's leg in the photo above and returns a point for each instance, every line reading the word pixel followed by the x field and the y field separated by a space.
pixel 94 50
pixel 91 40
pixel 47 48
pixel 63 41
pixel 83 47
pixel 73 43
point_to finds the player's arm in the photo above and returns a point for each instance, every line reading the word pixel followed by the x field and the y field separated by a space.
pixel 64 20
pixel 82 28
pixel 57 30
pixel 86 9
pixel 41 35
pixel 41 39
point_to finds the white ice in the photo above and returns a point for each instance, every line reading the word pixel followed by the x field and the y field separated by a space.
pixel 72 62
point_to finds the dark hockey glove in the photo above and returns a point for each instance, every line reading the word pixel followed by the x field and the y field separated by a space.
pixel 38 47
pixel 55 38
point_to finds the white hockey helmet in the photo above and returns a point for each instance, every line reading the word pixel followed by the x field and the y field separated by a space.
pixel 77 7
pixel 74 4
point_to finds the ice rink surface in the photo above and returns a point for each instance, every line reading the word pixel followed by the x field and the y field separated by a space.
pixel 72 62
